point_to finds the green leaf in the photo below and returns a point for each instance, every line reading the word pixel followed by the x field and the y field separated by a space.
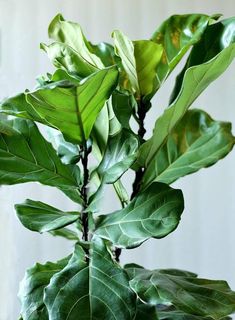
pixel 40 217
pixel 176 35
pixel 98 290
pixel 139 59
pixel 70 34
pixel 74 109
pixel 32 289
pixel 65 233
pixel 216 37
pixel 26 156
pixel 123 106
pixel 146 312
pixel 63 56
pixel 191 295
pixel 196 79
pixel 179 315
pixel 196 142
pixel 69 153
pixel 153 213
pixel 118 158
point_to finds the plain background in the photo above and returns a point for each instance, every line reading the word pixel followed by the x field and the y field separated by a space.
pixel 204 241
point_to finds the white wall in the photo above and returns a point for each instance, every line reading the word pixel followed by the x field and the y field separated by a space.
pixel 204 240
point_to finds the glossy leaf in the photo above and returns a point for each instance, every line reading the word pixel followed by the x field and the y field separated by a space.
pixel 99 290
pixel 216 37
pixel 196 79
pixel 139 59
pixel 40 217
pixel 179 315
pixel 153 213
pixel 176 35
pixel 196 142
pixel 74 109
pixel 32 289
pixel 192 295
pixel 26 156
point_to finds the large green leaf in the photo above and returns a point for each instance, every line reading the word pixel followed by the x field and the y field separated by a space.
pixel 192 295
pixel 32 289
pixel 98 290
pixel 139 59
pixel 176 35
pixel 196 79
pixel 153 213
pixel 180 315
pixel 196 142
pixel 40 217
pixel 215 38
pixel 74 109
pixel 26 156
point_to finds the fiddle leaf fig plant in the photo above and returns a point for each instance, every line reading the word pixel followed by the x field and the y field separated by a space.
pixel 94 107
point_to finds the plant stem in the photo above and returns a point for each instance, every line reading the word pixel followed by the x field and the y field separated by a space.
pixel 141 113
pixel 84 215
pixel 141 132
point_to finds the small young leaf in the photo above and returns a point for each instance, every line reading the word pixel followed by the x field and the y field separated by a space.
pixel 139 60
pixel 40 217
pixel 154 213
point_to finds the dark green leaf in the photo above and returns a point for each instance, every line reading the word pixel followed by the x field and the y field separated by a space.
pixel 26 156
pixel 153 213
pixel 199 297
pixel 196 79
pixel 32 289
pixel 40 217
pixel 99 290
pixel 196 142
pixel 216 37
pixel 139 60
pixel 146 312
pixel 177 34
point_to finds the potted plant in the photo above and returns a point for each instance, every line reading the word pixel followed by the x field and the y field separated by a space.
pixel 89 105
